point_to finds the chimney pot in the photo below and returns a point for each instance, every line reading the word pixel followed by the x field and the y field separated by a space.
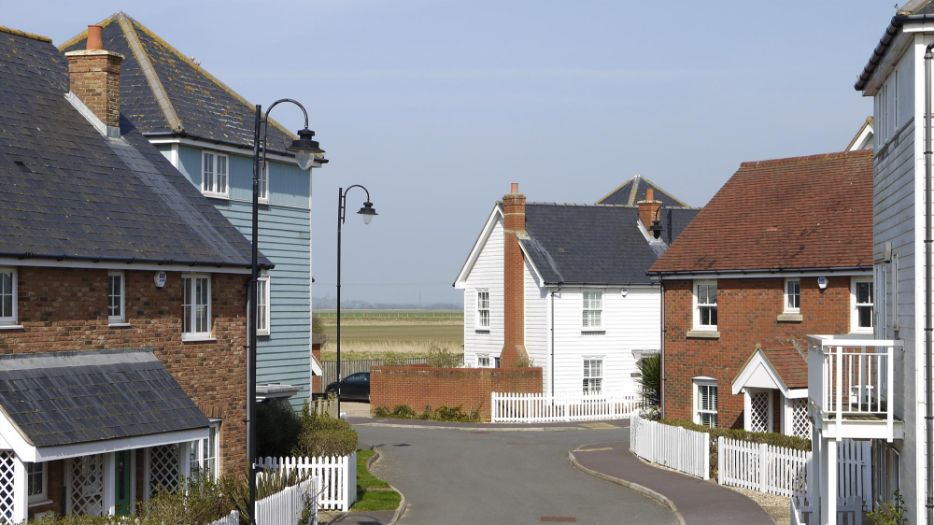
pixel 650 194
pixel 514 187
pixel 95 40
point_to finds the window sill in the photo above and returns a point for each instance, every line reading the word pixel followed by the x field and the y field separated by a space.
pixel 122 324
pixel 703 334
pixel 213 195
pixel 198 339
pixel 11 327
pixel 482 330
pixel 263 201
pixel 41 503
pixel 593 331
pixel 790 318
pixel 262 333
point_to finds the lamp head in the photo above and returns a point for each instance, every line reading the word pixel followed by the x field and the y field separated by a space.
pixel 367 212
pixel 305 149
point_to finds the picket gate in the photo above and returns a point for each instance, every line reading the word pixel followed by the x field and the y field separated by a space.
pixel 760 467
pixel 542 408
pixel 336 477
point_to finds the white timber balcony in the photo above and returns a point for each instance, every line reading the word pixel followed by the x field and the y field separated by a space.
pixel 851 386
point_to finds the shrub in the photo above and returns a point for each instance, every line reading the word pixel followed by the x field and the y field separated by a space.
pixel 891 512
pixel 236 491
pixel 277 428
pixel 439 357
pixel 442 413
pixel 323 435
pixel 650 369
pixel 446 413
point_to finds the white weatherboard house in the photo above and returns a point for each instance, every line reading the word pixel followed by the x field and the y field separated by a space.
pixel 564 287
pixel 888 404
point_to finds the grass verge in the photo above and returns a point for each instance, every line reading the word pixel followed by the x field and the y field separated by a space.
pixel 373 494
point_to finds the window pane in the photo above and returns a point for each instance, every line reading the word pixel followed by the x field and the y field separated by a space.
pixel 221 174
pixel 186 305
pixel 865 316
pixel 864 293
pixel 208 173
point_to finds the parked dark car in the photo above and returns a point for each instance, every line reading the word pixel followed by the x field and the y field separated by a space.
pixel 354 387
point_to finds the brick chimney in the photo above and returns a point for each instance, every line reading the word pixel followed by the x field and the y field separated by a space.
pixel 94 76
pixel 649 209
pixel 513 279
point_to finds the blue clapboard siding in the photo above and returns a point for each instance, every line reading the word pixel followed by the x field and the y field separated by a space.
pixel 284 237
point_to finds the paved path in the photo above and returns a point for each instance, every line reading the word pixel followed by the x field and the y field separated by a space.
pixel 699 502
pixel 356 518
pixel 477 475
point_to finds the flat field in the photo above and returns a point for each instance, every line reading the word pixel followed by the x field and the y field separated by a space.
pixel 373 334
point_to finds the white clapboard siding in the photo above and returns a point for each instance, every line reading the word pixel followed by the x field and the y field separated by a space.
pixel 487 273
pixel 677 448
pixel 336 476
pixel 541 408
pixel 286 506
pixel 536 323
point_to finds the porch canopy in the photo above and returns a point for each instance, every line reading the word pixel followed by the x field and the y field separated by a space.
pixel 783 369
pixel 68 404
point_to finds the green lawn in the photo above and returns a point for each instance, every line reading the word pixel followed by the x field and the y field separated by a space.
pixel 372 493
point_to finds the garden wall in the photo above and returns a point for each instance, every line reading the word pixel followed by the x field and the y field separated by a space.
pixel 469 388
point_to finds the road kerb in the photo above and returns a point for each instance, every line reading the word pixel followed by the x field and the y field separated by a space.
pixel 645 491
pixel 401 508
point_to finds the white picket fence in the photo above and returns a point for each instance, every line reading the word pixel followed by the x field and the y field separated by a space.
pixel 761 467
pixel 231 519
pixel 286 506
pixel 542 408
pixel 854 486
pixel 677 448
pixel 336 477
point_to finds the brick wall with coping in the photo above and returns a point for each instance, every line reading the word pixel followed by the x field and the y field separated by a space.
pixel 65 309
pixel 469 388
pixel 747 315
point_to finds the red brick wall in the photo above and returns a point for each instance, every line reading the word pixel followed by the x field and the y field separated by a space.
pixel 469 388
pixel 513 280
pixel 94 76
pixel 747 311
pixel 65 309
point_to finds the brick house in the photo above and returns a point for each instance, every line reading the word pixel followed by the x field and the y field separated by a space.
pixel 783 250
pixel 122 298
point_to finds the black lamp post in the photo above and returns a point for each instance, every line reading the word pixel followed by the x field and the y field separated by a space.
pixel 305 149
pixel 367 212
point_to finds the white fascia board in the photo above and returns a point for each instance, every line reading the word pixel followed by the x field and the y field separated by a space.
pixel 538 275
pixel 797 393
pixel 891 58
pixel 496 214
pixel 116 265
pixel 777 274
pixel 93 120
pixel 758 360
pixel 242 152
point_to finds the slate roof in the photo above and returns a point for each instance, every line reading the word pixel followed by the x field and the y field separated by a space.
pixel 912 11
pixel 70 193
pixel 632 191
pixel 801 213
pixel 195 103
pixel 65 398
pixel 593 244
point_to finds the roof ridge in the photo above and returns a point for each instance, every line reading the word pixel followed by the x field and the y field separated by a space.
pixel 197 67
pixel 149 72
pixel 666 192
pixel 25 34
pixel 617 188
pixel 804 158
pixel 84 34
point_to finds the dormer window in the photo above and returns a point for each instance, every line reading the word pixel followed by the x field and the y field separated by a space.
pixel 7 297
pixel 214 179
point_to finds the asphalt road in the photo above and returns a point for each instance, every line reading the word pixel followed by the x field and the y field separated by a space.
pixel 471 477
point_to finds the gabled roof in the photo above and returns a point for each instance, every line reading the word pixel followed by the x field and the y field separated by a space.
pixel 863 137
pixel 71 193
pixel 164 92
pixel 913 11
pixel 633 190
pixel 65 398
pixel 801 213
pixel 782 368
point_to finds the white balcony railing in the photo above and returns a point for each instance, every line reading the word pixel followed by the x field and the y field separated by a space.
pixel 851 379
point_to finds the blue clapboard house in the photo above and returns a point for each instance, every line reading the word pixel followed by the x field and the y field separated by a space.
pixel 206 130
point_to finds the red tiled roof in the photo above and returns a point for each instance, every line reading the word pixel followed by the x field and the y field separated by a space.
pixel 811 212
pixel 790 366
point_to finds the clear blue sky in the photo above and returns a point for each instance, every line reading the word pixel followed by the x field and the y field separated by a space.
pixel 437 105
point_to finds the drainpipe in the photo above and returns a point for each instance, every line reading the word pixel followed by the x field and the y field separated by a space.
pixel 661 373
pixel 928 344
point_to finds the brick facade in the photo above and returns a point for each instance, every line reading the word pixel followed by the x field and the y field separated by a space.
pixel 747 312
pixel 64 309
pixel 94 76
pixel 469 388
pixel 513 279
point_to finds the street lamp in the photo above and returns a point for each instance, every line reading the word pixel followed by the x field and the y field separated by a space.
pixel 306 150
pixel 367 212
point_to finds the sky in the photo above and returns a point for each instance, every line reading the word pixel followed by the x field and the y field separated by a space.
pixel 436 106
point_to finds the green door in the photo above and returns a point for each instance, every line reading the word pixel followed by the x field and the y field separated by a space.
pixel 122 481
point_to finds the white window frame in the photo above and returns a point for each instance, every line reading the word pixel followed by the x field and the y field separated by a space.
pixel 698 412
pixel 481 358
pixel 214 190
pixel 855 306
pixel 479 325
pixel 198 455
pixel 698 305
pixel 789 308
pixel 192 302
pixel 43 496
pixel 594 307
pixel 596 386
pixel 117 319
pixel 262 296
pixel 12 319
pixel 263 186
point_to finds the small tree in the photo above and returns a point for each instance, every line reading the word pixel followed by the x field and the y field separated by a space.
pixel 650 368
